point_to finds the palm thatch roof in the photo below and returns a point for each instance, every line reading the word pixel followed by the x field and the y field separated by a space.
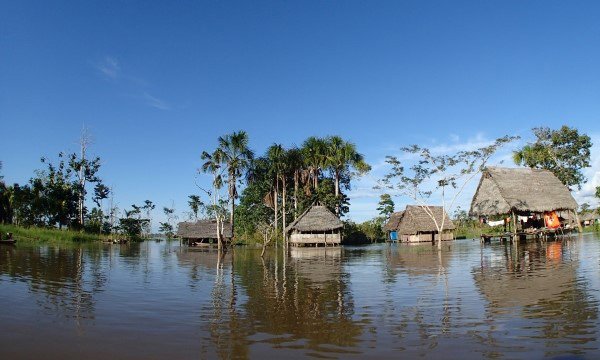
pixel 393 222
pixel 417 219
pixel 502 190
pixel 316 219
pixel 202 229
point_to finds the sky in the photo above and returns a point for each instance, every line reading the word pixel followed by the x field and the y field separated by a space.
pixel 156 83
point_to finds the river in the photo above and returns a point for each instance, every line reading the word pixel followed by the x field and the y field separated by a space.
pixel 156 300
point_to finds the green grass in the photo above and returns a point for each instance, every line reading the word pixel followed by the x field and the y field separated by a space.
pixel 36 234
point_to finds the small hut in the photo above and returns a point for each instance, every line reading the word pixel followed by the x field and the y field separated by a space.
pixel 315 227
pixel 415 224
pixel 202 231
pixel 391 227
pixel 520 192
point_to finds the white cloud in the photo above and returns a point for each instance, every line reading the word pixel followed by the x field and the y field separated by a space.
pixel 587 194
pixel 109 67
pixel 364 197
pixel 155 102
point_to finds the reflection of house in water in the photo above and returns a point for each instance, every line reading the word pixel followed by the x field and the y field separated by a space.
pixel 540 283
pixel 301 302
pixel 417 259
pixel 317 265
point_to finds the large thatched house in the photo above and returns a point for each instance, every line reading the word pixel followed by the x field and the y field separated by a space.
pixel 503 191
pixel 202 231
pixel 315 227
pixel 416 224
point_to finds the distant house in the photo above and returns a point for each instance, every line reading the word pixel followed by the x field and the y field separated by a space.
pixel 391 226
pixel 202 231
pixel 524 192
pixel 415 224
pixel 588 219
pixel 315 227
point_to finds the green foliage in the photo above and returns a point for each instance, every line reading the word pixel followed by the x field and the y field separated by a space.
pixel 564 152
pixel 445 175
pixel 46 235
pixel 598 192
pixel 166 229
pixel 195 205
pixel 386 206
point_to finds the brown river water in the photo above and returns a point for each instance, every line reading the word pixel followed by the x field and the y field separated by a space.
pixel 156 300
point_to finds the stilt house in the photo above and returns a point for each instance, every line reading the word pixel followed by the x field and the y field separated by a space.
pixel 521 192
pixel 415 224
pixel 203 231
pixel 315 227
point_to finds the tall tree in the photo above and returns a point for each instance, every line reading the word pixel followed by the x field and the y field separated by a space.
pixel 212 165
pixel 277 160
pixel 195 204
pixel 564 152
pixel 386 206
pixel 314 152
pixel 444 175
pixel 85 170
pixel 340 156
pixel 236 156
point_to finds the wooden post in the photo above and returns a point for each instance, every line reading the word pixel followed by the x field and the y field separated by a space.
pixel 579 228
pixel 514 226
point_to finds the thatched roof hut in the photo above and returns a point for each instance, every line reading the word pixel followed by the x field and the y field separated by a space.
pixel 202 229
pixel 393 222
pixel 416 224
pixel 315 226
pixel 316 219
pixel 504 190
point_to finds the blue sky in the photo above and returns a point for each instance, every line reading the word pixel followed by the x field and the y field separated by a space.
pixel 157 82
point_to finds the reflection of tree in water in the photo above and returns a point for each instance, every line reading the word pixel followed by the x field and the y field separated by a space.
pixel 290 302
pixel 430 311
pixel 540 281
pixel 59 274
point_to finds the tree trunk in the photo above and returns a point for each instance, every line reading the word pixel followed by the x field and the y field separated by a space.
pixel 295 194
pixel 275 203
pixel 283 185
pixel 579 228
pixel 337 193
pixel 232 199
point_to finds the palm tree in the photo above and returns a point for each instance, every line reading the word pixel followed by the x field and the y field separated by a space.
pixel 296 165
pixel 195 203
pixel 276 156
pixel 341 155
pixel 236 156
pixel 212 164
pixel 314 154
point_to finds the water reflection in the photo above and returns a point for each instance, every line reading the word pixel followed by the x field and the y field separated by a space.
pixel 295 303
pixel 536 289
pixel 533 300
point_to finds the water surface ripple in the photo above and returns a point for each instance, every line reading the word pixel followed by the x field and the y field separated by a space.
pixel 156 300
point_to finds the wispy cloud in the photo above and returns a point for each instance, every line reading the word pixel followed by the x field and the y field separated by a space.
pixel 587 194
pixel 155 102
pixel 130 86
pixel 109 67
pixel 364 193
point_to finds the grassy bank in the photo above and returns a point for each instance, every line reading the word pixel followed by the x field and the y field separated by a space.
pixel 35 234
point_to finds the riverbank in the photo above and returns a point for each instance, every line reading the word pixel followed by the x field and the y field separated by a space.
pixel 36 234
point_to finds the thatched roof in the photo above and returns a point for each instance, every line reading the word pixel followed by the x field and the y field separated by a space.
pixel 502 190
pixel 316 218
pixel 416 219
pixel 393 222
pixel 589 217
pixel 202 229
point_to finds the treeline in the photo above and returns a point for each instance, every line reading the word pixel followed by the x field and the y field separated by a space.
pixel 59 196
pixel 279 184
